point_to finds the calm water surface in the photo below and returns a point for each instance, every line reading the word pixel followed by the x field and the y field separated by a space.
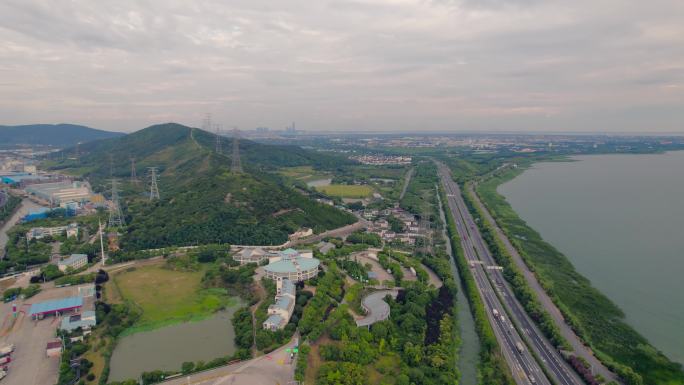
pixel 167 348
pixel 620 221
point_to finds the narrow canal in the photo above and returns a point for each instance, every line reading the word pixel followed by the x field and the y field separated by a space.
pixel 470 345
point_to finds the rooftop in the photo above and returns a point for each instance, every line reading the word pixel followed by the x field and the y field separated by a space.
pixel 55 305
pixel 72 258
pixel 292 265
pixel 274 319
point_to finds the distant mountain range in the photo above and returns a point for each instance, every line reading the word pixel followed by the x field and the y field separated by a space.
pixel 202 201
pixel 58 135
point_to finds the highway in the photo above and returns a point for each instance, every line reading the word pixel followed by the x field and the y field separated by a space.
pixel 490 282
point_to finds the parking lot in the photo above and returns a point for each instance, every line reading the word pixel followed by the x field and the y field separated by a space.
pixel 30 364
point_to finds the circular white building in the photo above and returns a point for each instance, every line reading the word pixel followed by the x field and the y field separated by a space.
pixel 292 266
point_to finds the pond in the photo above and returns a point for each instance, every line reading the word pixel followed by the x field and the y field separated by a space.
pixel 319 182
pixel 167 348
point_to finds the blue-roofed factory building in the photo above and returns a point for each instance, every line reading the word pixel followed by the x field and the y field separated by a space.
pixel 56 306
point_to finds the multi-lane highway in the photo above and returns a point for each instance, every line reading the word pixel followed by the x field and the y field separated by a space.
pixel 501 303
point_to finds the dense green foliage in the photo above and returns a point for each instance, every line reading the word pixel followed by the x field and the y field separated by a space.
pixel 201 200
pixel 362 237
pixel 420 195
pixel 8 208
pixel 27 292
pixel 590 313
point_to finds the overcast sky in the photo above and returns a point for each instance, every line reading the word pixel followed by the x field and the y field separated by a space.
pixel 461 65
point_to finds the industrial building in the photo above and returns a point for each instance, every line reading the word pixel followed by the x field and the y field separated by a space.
pixel 56 306
pixel 292 265
pixel 281 311
pixel 71 230
pixel 74 261
pixel 86 320
pixel 57 193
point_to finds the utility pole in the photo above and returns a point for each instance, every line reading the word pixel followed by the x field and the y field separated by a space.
pixel 101 242
pixel 154 189
pixel 236 165
pixel 116 218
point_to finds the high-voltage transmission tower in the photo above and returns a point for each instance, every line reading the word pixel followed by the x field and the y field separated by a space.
pixel 218 138
pixel 116 218
pixel 236 166
pixel 134 174
pixel 154 189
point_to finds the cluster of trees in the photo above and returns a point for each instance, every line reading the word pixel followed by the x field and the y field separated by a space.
pixel 238 281
pixel 400 340
pixel 329 292
pixel 420 196
pixel 362 237
pixel 15 292
pixel 242 323
pixel 394 267
pixel 8 208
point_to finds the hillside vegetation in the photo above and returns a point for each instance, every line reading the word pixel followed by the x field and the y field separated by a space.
pixel 202 201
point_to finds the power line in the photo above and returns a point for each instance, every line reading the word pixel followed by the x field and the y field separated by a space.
pixel 154 189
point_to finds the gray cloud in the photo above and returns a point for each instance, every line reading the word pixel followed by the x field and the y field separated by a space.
pixel 584 65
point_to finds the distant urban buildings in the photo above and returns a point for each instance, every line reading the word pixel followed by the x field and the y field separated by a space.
pixel 379 160
pixel 70 230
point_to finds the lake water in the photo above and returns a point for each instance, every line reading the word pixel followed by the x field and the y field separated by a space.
pixel 620 221
pixel 167 348
pixel 319 182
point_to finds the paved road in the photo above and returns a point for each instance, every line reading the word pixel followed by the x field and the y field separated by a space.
pixel 578 346
pixel 377 308
pixel 275 368
pixel 490 283
pixel 24 208
pixel 338 232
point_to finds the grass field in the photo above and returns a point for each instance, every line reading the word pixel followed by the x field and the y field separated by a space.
pixel 303 173
pixel 167 296
pixel 346 191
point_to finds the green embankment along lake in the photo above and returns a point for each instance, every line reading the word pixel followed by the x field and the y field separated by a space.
pixel 620 220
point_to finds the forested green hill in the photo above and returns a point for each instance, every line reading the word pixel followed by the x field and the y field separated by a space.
pixel 201 200
pixel 59 135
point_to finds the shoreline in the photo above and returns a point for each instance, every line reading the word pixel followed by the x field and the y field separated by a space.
pixel 508 219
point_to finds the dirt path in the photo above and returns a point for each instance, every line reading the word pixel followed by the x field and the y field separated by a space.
pixel 407 180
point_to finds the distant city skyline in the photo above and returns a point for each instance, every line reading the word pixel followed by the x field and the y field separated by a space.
pixel 552 66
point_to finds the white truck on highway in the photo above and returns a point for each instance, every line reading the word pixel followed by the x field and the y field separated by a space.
pixel 520 347
pixel 496 312
pixel 6 349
